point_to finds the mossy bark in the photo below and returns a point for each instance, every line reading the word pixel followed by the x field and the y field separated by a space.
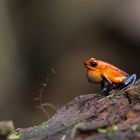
pixel 93 117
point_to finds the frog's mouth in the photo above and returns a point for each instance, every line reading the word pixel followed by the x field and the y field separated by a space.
pixel 87 65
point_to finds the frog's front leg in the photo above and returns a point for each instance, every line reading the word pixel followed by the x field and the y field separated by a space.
pixel 106 87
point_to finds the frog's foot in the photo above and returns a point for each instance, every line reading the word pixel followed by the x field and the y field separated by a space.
pixel 129 81
pixel 105 87
pixel 108 88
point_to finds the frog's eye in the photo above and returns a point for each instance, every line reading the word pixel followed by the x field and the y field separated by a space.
pixel 93 64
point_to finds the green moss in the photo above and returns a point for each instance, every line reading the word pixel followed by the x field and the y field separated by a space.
pixel 113 129
pixel 14 135
pixel 17 132
pixel 107 131
pixel 101 130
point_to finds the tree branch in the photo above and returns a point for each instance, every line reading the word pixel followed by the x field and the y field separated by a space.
pixel 85 113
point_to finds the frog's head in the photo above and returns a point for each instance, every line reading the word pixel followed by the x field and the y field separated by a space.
pixel 91 64
pixel 93 70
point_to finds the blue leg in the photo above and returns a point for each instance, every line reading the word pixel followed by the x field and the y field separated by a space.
pixel 129 81
pixel 106 87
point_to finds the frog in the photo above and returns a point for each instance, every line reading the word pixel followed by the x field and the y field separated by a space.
pixel 109 76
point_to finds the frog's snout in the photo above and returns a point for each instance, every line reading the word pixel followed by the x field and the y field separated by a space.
pixel 86 63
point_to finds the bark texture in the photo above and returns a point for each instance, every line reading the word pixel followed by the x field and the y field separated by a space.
pixel 92 117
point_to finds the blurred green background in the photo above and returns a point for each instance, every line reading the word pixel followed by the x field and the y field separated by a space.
pixel 41 37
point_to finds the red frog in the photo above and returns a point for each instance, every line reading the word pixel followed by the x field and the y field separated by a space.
pixel 108 75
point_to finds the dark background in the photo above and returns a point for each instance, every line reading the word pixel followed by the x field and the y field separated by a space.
pixel 41 37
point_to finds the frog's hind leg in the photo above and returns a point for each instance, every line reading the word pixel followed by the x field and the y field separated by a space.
pixel 129 81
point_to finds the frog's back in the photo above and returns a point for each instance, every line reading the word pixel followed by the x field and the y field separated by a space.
pixel 113 73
